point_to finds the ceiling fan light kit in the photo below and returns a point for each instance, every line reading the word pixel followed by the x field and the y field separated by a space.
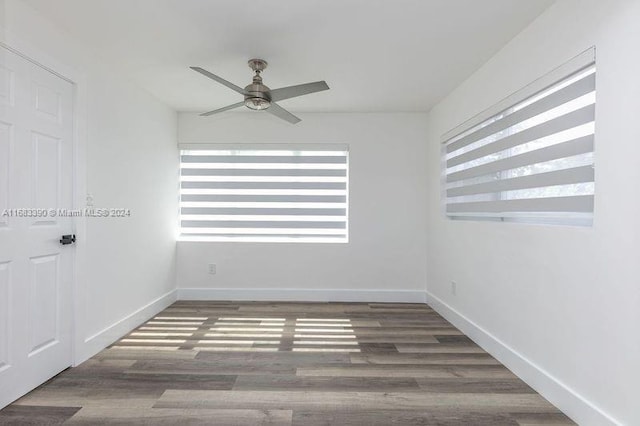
pixel 259 97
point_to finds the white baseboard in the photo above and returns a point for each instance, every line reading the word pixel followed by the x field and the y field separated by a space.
pixel 102 339
pixel 286 294
pixel 566 399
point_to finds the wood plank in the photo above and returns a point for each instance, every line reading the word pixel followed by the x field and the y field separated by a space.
pixel 142 353
pixel 438 348
pixel 113 398
pixel 438 359
pixel 485 385
pixel 542 419
pixel 293 359
pixel 91 416
pixel 415 371
pixel 140 382
pixel 26 415
pixel 395 417
pixel 339 401
pixel 278 382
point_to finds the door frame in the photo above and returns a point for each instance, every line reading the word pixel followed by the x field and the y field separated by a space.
pixel 79 172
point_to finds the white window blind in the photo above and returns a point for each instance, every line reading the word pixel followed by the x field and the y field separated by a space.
pixel 531 156
pixel 264 195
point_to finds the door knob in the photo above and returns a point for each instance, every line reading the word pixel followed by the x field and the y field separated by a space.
pixel 68 239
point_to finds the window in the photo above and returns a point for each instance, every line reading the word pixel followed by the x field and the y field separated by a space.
pixel 529 158
pixel 253 194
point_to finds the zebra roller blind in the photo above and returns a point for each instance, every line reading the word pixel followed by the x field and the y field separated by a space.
pixel 531 156
pixel 264 195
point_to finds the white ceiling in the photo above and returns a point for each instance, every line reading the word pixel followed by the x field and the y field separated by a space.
pixel 376 55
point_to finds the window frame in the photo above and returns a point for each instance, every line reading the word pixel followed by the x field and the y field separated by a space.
pixel 581 62
pixel 303 148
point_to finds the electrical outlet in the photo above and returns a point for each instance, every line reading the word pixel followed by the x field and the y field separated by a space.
pixel 212 268
pixel 454 288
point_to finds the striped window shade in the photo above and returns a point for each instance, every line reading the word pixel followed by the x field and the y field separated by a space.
pixel 531 157
pixel 252 194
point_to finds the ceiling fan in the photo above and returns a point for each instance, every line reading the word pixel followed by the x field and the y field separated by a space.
pixel 259 97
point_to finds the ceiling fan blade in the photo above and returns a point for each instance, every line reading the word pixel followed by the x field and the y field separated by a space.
pixel 219 80
pixel 299 90
pixel 227 108
pixel 280 112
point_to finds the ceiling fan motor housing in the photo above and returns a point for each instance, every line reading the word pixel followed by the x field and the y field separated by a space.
pixel 257 96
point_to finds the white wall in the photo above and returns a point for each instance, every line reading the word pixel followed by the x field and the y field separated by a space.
pixel 128 159
pixel 560 305
pixel 384 259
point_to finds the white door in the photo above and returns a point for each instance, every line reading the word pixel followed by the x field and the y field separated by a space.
pixel 36 271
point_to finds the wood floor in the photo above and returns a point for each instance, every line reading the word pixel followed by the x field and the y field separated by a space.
pixel 226 363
